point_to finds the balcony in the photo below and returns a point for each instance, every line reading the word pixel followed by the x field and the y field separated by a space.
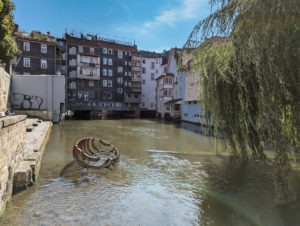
pixel 92 65
pixel 89 76
pixel 136 58
pixel 136 69
pixel 135 79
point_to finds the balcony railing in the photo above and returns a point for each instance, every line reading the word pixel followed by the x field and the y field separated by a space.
pixel 84 64
pixel 89 76
pixel 136 68
pixel 135 79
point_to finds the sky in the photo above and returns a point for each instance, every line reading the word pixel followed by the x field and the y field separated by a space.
pixel 154 25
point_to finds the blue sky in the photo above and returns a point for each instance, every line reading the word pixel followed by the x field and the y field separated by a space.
pixel 155 25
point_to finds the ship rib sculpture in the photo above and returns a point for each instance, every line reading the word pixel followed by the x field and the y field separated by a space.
pixel 95 153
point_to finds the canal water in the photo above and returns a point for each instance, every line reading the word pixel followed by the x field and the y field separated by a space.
pixel 166 175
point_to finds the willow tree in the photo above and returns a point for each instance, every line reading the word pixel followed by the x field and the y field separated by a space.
pixel 250 82
pixel 7 45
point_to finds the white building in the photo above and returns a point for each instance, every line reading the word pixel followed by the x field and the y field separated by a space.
pixel 39 95
pixel 151 70
pixel 169 94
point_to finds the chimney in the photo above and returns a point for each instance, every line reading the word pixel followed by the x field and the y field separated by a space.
pixel 48 33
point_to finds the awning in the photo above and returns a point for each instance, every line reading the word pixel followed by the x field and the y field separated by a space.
pixel 174 101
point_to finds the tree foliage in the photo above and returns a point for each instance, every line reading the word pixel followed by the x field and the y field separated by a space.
pixel 7 45
pixel 250 82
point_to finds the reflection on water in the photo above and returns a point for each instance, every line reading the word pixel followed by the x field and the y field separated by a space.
pixel 166 176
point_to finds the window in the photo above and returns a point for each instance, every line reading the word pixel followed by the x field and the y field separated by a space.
pixel 165 92
pixel 136 96
pixel 104 60
pixel 143 104
pixel 43 48
pixel 151 105
pixel 104 72
pixel 143 81
pixel 165 70
pixel 104 83
pixel 86 96
pixel 26 73
pixel 27 46
pixel 119 90
pixel 156 71
pixel 125 83
pixel 72 85
pixel 152 76
pixel 43 64
pixel 156 60
pixel 129 84
pixel 110 72
pixel 104 51
pixel 72 74
pixel 109 61
pixel 144 61
pixel 120 69
pixel 128 95
pixel 26 62
pixel 91 83
pixel 120 80
pixel 125 53
pixel 118 105
pixel 125 73
pixel 152 65
pixel 92 50
pixel 168 80
pixel 144 70
pixel 80 82
pixel 170 93
pixel 109 83
pixel 72 51
pixel 129 74
pixel 91 60
pixel 125 63
pixel 110 52
pixel 120 54
pixel 72 62
pixel 79 94
pixel 80 49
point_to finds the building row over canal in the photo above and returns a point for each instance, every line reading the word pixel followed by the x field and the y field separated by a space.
pixel 90 75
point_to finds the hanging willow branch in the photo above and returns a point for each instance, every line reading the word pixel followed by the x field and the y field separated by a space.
pixel 250 80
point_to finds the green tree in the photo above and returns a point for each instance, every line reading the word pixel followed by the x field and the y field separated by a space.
pixel 7 44
pixel 250 82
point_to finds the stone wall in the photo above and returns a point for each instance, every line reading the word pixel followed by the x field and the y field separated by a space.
pixel 12 147
pixel 4 89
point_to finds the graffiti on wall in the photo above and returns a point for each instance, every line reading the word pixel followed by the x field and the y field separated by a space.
pixel 23 101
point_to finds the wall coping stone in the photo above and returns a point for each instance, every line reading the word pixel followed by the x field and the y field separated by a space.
pixel 10 120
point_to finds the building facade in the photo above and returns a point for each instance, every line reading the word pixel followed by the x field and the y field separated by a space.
pixel 101 75
pixel 38 54
pixel 151 70
pixel 169 87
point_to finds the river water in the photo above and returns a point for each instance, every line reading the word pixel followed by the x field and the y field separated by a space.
pixel 166 175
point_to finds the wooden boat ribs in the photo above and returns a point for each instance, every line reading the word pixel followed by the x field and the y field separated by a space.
pixel 91 152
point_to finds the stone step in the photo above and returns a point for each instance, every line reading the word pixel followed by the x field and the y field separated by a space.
pixel 23 176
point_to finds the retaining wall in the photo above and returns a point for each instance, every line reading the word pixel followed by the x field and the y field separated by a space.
pixel 12 147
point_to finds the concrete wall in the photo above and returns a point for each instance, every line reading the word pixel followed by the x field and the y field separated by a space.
pixel 4 89
pixel 12 147
pixel 39 93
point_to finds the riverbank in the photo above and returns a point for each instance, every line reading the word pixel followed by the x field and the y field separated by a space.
pixel 22 145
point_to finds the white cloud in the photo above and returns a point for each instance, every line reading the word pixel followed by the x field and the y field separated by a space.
pixel 188 9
